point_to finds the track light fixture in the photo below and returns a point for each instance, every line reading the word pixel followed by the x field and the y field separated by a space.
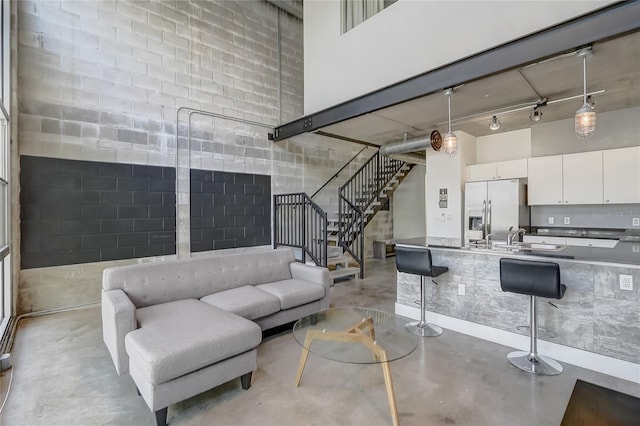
pixel 449 141
pixel 585 122
pixel 494 124
pixel 536 115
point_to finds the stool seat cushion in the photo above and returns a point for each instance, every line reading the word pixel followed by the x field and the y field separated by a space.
pixel 417 261
pixel 533 278
pixel 438 270
pixel 294 292
pixel 247 301
pixel 180 337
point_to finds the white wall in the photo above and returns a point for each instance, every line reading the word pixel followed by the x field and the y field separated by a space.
pixel 409 214
pixel 614 129
pixel 448 172
pixel 409 38
pixel 503 146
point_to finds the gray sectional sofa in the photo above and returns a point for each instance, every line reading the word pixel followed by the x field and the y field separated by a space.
pixel 182 327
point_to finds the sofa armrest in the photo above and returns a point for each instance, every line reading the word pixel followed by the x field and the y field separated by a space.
pixel 118 319
pixel 316 274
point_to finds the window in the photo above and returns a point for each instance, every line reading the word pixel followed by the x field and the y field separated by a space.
pixel 354 12
pixel 5 169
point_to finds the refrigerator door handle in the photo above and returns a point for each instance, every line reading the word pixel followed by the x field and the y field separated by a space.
pixel 489 219
pixel 484 219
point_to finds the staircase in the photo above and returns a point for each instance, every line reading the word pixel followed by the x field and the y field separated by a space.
pixel 361 197
pixel 337 241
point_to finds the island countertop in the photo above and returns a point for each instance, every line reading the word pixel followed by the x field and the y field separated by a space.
pixel 595 315
pixel 624 253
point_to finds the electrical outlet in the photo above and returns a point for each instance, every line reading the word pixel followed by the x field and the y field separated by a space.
pixel 462 289
pixel 636 248
pixel 567 220
pixel 636 221
pixel 551 220
pixel 626 282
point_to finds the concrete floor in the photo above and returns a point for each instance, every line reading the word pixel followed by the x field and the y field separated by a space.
pixel 63 375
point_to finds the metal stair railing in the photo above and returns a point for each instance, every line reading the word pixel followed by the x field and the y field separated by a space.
pixel 356 196
pixel 336 174
pixel 300 223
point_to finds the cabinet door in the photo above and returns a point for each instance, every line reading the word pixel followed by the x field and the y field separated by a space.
pixel 621 172
pixel 512 169
pixel 478 172
pixel 582 178
pixel 545 180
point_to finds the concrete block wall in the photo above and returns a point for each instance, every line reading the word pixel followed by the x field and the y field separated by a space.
pixel 103 81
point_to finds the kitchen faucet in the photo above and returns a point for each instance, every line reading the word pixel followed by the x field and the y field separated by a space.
pixel 513 234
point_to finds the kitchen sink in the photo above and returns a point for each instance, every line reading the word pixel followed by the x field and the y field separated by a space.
pixel 541 246
pixel 517 246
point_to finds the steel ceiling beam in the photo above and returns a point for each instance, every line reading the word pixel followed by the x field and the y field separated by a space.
pixel 610 22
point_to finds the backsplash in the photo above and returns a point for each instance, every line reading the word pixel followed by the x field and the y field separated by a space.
pixel 587 216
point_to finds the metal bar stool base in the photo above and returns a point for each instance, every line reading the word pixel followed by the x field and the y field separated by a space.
pixel 423 329
pixel 536 364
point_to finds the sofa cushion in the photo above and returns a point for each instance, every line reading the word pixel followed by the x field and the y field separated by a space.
pixel 180 337
pixel 248 302
pixel 148 284
pixel 294 292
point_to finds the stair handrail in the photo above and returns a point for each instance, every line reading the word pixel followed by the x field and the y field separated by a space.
pixel 300 223
pixel 356 196
pixel 347 244
pixel 338 172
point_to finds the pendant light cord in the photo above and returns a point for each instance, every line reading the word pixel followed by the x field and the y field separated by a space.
pixel 449 102
pixel 584 74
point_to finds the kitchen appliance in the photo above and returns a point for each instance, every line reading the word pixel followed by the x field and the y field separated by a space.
pixel 492 207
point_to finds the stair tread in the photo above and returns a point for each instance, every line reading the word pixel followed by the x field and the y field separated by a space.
pixel 339 259
pixel 344 272
pixel 334 251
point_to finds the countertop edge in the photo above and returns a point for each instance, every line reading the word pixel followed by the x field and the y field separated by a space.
pixel 421 242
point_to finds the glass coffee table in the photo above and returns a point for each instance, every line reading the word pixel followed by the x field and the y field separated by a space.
pixel 356 336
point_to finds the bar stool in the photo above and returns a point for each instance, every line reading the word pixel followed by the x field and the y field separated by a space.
pixel 417 261
pixel 535 279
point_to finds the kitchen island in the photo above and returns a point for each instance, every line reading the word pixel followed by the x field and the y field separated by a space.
pixel 596 324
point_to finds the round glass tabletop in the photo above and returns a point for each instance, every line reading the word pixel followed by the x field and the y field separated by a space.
pixel 353 335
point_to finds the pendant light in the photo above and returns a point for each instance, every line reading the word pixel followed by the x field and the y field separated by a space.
pixel 585 121
pixel 494 124
pixel 449 141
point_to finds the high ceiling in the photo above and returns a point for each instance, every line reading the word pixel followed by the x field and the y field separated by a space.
pixel 614 68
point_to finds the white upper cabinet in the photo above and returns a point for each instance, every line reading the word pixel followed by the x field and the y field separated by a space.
pixel 582 178
pixel 477 172
pixel 621 172
pixel 511 169
pixel 545 180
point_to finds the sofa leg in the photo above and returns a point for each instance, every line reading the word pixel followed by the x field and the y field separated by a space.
pixel 138 391
pixel 245 379
pixel 161 417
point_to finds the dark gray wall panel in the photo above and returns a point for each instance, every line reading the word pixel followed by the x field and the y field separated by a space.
pixel 229 210
pixel 84 211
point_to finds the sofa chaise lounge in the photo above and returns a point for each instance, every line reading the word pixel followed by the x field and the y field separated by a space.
pixel 185 326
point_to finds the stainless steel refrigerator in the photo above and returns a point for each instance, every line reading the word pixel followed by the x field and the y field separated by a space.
pixel 492 207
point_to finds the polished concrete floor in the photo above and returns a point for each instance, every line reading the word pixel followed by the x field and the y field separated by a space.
pixel 62 375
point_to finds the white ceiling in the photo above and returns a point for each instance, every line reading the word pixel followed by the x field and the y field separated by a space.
pixel 614 67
